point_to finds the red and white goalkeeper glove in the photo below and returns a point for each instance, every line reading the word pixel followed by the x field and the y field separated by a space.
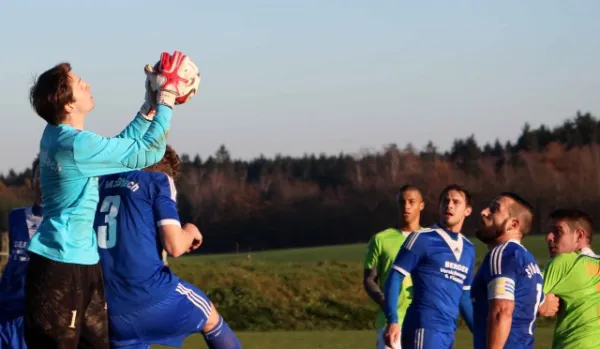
pixel 171 77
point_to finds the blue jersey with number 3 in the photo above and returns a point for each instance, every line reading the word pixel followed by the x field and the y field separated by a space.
pixel 132 207
pixel 508 272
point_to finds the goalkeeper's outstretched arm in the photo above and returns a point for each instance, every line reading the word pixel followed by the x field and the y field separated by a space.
pixel 136 128
pixel 98 156
pixel 141 122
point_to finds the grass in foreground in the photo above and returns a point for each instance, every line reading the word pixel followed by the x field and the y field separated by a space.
pixel 336 340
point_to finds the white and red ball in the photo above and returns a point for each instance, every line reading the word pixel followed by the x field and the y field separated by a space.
pixel 188 87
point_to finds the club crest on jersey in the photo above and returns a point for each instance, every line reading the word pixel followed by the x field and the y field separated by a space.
pixel 532 269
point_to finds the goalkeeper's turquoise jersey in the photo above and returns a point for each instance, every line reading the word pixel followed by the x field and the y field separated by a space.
pixel 71 161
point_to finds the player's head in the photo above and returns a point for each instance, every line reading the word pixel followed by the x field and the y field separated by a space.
pixel 568 230
pixel 455 206
pixel 169 164
pixel 410 203
pixel 508 215
pixel 59 95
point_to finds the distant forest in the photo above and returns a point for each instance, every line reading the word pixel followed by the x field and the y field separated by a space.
pixel 315 200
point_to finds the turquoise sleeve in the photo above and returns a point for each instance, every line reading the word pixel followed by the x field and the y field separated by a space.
pixel 95 155
pixel 136 128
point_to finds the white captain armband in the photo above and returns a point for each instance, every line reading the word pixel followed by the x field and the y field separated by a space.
pixel 168 221
pixel 501 288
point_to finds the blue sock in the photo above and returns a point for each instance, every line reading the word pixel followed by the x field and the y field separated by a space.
pixel 222 337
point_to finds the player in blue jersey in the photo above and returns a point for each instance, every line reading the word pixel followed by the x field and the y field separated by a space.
pixel 23 223
pixel 147 303
pixel 507 289
pixel 64 292
pixel 440 261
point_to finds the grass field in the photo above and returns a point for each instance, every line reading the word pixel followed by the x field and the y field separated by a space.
pixel 305 289
pixel 336 340
pixel 354 253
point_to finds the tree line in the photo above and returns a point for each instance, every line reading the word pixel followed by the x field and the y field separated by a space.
pixel 312 200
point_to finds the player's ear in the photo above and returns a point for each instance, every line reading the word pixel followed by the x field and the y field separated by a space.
pixel 515 223
pixel 579 234
pixel 468 211
pixel 421 206
pixel 69 108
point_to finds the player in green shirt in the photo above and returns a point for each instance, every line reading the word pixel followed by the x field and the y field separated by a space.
pixel 382 251
pixel 573 275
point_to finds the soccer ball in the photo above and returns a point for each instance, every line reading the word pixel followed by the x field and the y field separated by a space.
pixel 189 86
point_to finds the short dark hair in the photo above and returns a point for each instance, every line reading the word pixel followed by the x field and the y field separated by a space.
pixel 406 188
pixel 169 164
pixel 459 188
pixel 522 209
pixel 51 92
pixel 575 218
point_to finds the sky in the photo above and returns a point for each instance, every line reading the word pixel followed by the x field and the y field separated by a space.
pixel 312 76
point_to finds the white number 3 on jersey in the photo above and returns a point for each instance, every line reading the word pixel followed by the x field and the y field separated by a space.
pixel 107 233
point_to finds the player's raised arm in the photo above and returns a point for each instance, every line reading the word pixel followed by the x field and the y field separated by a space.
pixel 370 273
pixel 501 297
pixel 96 156
pixel 141 122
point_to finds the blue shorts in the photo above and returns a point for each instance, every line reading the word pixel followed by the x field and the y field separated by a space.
pixel 11 333
pixel 182 313
pixel 424 338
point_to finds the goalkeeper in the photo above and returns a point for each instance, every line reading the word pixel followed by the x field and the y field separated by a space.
pixel 64 291
pixel 573 274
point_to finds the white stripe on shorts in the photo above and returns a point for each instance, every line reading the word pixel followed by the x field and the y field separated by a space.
pixel 419 338
pixel 198 301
